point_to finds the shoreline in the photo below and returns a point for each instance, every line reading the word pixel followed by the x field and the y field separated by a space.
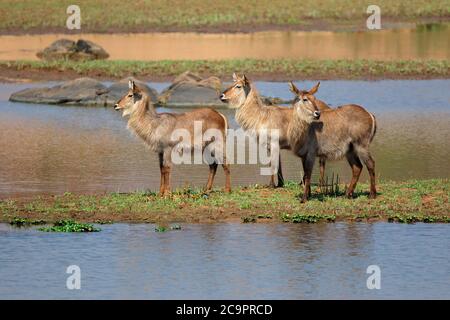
pixel 407 202
pixel 256 69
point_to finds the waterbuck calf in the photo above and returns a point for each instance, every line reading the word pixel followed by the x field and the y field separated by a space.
pixel 332 134
pixel 255 117
pixel 322 106
pixel 158 131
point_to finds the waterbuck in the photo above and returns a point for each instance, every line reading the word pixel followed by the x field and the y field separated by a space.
pixel 254 116
pixel 158 130
pixel 332 134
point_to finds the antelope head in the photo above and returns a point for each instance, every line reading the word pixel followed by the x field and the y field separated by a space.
pixel 130 101
pixel 305 103
pixel 237 93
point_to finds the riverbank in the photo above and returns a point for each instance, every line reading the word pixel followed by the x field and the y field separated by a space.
pixel 268 70
pixel 409 201
pixel 50 16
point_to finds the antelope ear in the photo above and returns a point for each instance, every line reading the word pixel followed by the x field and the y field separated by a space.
pixel 293 88
pixel 131 85
pixel 235 77
pixel 315 88
pixel 246 82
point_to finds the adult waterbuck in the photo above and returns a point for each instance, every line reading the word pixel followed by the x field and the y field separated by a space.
pixel 332 134
pixel 255 117
pixel 158 130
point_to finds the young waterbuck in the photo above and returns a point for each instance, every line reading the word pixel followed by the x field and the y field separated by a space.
pixel 157 130
pixel 332 134
pixel 254 116
pixel 322 106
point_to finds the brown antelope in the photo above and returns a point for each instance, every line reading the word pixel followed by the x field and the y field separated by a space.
pixel 254 116
pixel 156 129
pixel 322 106
pixel 345 131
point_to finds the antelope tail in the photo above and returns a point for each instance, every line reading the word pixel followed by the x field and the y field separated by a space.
pixel 226 124
pixel 374 127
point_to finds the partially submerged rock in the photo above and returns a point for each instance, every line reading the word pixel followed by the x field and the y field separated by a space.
pixel 187 90
pixel 81 91
pixel 190 90
pixel 68 49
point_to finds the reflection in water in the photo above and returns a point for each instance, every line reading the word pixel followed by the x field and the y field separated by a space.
pixel 400 44
pixel 223 261
pixel 52 149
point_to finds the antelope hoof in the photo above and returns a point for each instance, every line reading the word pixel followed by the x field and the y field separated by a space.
pixel 372 195
pixel 164 194
pixel 227 190
pixel 349 195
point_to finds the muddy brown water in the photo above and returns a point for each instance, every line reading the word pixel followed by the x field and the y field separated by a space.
pixel 422 42
pixel 47 149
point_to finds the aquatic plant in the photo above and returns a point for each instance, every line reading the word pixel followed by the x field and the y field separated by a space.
pixel 70 226
pixel 160 229
pixel 307 218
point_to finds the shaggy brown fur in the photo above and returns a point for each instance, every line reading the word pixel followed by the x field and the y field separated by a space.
pixel 254 116
pixel 156 130
pixel 332 134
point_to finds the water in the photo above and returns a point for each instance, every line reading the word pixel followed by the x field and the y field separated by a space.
pixel 423 42
pixel 47 149
pixel 229 261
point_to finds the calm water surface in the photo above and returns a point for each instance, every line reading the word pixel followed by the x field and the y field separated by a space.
pixel 48 149
pixel 422 42
pixel 220 261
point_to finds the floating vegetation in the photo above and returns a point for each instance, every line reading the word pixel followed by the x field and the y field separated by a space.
pixel 70 226
pixel 160 229
pixel 165 229
pixel 307 218
pixel 417 218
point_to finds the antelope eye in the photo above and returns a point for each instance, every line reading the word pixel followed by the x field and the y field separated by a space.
pixel 305 100
pixel 130 95
pixel 238 86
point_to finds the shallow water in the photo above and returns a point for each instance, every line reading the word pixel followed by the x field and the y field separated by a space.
pixel 229 261
pixel 47 149
pixel 423 42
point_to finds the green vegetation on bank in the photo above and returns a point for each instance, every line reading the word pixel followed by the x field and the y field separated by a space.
pixel 409 201
pixel 117 15
pixel 282 69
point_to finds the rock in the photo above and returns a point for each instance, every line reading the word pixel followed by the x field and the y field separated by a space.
pixel 190 90
pixel 68 49
pixel 81 91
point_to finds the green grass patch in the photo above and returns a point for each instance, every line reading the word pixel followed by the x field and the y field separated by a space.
pixel 194 14
pixel 409 201
pixel 286 68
